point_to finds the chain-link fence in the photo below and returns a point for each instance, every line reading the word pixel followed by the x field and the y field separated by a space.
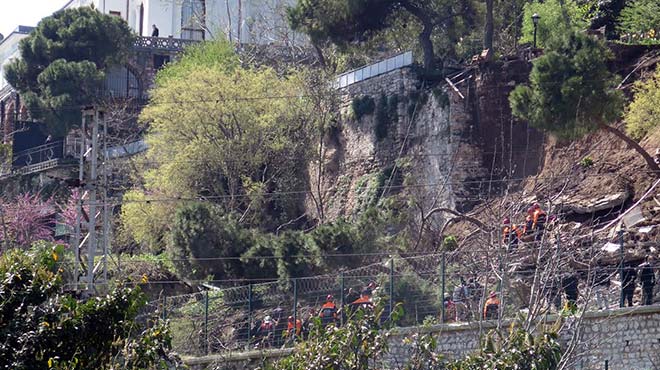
pixel 429 288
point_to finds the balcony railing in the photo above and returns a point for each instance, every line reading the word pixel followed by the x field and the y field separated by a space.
pixel 161 43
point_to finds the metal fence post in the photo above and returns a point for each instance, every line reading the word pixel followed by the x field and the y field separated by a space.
pixel 295 308
pixel 341 317
pixel 164 308
pixel 442 289
pixel 206 323
pixel 622 255
pixel 249 329
pixel 391 285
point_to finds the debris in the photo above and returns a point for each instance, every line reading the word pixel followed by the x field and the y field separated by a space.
pixel 633 217
pixel 591 205
pixel 611 247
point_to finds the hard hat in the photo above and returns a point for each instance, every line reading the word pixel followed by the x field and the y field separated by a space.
pixel 290 318
pixel 506 221
pixel 267 318
pixel 371 285
pixel 329 297
pixel 447 295
pixel 492 295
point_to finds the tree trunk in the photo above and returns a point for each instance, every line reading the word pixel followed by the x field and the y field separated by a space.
pixel 488 29
pixel 634 145
pixel 427 46
pixel 427 29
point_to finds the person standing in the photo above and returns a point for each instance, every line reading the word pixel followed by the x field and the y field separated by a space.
pixel 628 285
pixel 647 279
pixel 602 286
pixel 154 31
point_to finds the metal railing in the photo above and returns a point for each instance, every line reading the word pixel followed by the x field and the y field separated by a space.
pixel 372 70
pixel 161 43
pixel 38 154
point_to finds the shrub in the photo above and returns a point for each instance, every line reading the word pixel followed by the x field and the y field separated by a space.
pixel 586 162
pixel 363 106
pixel 644 112
pixel 450 243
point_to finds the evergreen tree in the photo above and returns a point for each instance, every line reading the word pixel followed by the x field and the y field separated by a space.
pixel 572 93
pixel 346 21
pixel 63 61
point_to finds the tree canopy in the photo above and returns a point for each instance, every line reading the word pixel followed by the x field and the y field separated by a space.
pixel 229 134
pixel 556 17
pixel 343 22
pixel 640 21
pixel 570 92
pixel 62 64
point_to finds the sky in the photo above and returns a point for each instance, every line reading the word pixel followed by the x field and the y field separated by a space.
pixel 25 12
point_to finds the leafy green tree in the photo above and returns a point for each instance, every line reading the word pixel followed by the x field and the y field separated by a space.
pixel 343 22
pixel 42 328
pixel 63 62
pixel 229 134
pixel 643 113
pixel 556 17
pixel 572 93
pixel 640 19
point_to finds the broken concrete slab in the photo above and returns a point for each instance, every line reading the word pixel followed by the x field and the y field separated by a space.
pixel 587 205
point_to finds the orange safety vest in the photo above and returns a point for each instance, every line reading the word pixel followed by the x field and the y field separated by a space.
pixel 508 230
pixel 489 302
pixel 289 326
pixel 537 216
pixel 364 299
pixel 328 306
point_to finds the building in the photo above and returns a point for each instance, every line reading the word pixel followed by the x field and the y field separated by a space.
pixel 240 21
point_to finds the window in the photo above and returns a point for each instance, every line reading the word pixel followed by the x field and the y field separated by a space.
pixel 193 14
pixel 115 13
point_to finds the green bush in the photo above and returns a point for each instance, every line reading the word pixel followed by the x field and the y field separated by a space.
pixel 586 162
pixel 450 243
pixel 363 106
pixel 643 113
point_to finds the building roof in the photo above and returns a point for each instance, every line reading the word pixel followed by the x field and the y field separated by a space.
pixel 20 30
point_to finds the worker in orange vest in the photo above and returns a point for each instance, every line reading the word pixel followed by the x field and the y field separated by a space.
pixel 290 326
pixel 491 306
pixel 328 313
pixel 538 220
pixel 510 233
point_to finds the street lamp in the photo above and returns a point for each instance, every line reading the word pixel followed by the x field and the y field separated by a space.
pixel 535 19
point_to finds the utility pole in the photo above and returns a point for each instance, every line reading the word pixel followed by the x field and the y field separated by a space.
pixel 92 223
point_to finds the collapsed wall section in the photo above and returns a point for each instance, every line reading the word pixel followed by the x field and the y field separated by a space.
pixel 397 136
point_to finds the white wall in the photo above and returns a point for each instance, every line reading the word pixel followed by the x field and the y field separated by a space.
pixel 8 51
pixel 260 21
pixel 165 14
